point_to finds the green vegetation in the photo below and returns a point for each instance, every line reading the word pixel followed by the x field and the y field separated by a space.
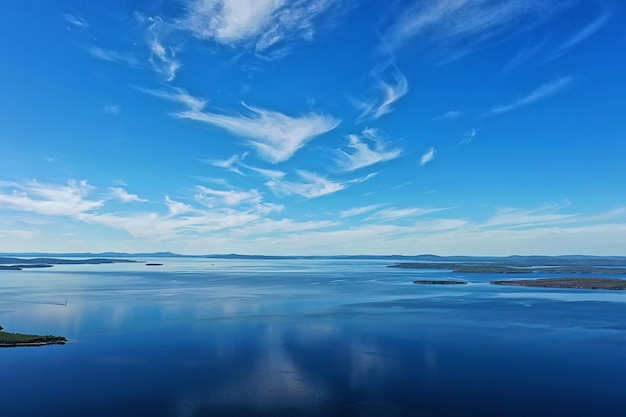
pixel 18 339
pixel 569 282
pixel 438 282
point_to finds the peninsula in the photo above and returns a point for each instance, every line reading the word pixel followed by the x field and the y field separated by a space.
pixel 19 339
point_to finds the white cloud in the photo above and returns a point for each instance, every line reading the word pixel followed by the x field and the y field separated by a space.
pixel 390 92
pixel 211 197
pixel 177 208
pixel 581 35
pixel 178 95
pixel 121 194
pixel 396 213
pixel 49 199
pixel 542 92
pixel 446 21
pixel 449 115
pixel 113 56
pixel 469 136
pixel 312 185
pixel 275 136
pixel 518 218
pixel 228 164
pixel 362 155
pixel 75 20
pixel 260 23
pixel 355 211
pixel 428 156
pixel 267 173
pixel 162 58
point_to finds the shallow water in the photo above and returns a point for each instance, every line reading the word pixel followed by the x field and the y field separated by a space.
pixel 212 337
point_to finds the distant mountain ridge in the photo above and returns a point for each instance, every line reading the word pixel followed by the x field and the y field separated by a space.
pixel 513 259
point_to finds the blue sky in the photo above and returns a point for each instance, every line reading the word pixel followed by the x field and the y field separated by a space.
pixel 313 127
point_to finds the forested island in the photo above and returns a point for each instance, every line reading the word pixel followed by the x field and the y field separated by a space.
pixel 568 282
pixel 19 339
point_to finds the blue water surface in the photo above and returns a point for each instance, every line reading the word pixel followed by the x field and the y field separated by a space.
pixel 337 337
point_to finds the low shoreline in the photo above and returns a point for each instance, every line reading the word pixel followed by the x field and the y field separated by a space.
pixel 33 344
pixel 19 339
pixel 589 283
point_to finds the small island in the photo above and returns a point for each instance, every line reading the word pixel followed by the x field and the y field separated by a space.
pixel 568 282
pixel 19 339
pixel 438 282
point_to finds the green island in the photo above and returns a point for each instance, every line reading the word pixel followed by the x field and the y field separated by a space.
pixel 438 282
pixel 19 339
pixel 588 283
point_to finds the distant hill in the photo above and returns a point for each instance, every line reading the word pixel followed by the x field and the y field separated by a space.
pixel 94 255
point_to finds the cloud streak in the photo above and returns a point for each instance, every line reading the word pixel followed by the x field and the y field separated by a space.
pixel 361 155
pixel 428 156
pixel 275 136
pixel 122 195
pixel 312 185
pixel 49 199
pixel 261 24
pixel 113 56
pixel 162 58
pixel 389 93
pixel 75 20
pixel 542 92
pixel 453 20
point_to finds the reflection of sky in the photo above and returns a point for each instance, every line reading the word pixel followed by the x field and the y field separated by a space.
pixel 311 338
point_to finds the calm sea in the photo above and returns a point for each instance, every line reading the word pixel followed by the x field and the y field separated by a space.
pixel 214 337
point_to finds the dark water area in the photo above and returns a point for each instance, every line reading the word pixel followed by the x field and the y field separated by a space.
pixel 206 337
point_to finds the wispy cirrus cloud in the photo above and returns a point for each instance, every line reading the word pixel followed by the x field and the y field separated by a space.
pixel 448 21
pixel 211 197
pixel 356 211
pixel 362 155
pixel 581 35
pixel 75 20
pixel 68 199
pixel 113 56
pixel 428 156
pixel 522 218
pixel 390 91
pixel 312 185
pixel 230 164
pixel 469 136
pixel 121 194
pixel 210 210
pixel 275 136
pixel 542 92
pixel 397 214
pixel 162 58
pixel 257 23
pixel 449 115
